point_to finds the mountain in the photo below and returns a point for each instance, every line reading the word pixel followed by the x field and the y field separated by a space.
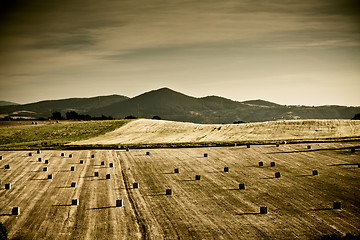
pixel 7 103
pixel 45 108
pixel 172 105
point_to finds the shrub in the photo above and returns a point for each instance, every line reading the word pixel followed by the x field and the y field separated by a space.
pixel 356 117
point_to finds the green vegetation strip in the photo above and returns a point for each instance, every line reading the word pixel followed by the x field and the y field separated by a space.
pixel 54 135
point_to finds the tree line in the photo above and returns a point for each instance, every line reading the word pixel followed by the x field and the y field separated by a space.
pixel 72 115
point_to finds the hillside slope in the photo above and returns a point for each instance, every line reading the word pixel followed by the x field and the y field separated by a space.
pixel 45 108
pixel 176 106
pixel 145 131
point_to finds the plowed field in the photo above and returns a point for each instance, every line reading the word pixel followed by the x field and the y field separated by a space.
pixel 299 205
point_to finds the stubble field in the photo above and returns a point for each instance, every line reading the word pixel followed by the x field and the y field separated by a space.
pixel 299 204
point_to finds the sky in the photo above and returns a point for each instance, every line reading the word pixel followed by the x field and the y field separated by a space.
pixel 289 52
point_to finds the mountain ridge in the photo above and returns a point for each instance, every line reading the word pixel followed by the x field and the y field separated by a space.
pixel 177 106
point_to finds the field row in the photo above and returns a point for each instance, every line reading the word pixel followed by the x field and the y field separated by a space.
pixel 300 205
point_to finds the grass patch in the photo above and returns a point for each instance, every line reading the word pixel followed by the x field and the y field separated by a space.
pixel 54 135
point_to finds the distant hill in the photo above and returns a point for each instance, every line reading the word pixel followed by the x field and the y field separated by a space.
pixel 45 108
pixel 172 105
pixel 176 106
pixel 7 103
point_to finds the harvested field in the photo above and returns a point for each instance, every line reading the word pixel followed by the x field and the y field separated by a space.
pixel 148 132
pixel 299 204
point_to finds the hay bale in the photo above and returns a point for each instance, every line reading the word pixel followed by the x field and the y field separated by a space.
pixel 62 154
pixel 135 185
pixel 7 166
pixel 242 186
pixel 92 155
pixel 46 161
pixel 111 165
pixel 108 176
pixel 70 155
pixel 15 211
pixel 147 153
pixel 176 170
pixel 119 203
pixel 277 174
pixel 75 202
pixel 39 159
pixel 248 145
pixel 352 150
pixel 205 155
pixel 315 172
pixel 263 210
pixel 226 169
pixel 30 154
pixel 277 145
pixel 127 149
pixel 45 169
pixel 102 163
pixel 336 205
pixel 73 184
pixel 50 176
pixel 272 164
pixel 81 161
pixel 261 164
pixel 72 168
pixel 168 191
pixel 38 151
pixel 7 185
pixel 309 147
pixel 197 177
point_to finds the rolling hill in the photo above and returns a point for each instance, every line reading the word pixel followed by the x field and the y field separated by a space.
pixel 172 105
pixel 176 106
pixel 45 108
pixel 147 132
pixel 7 103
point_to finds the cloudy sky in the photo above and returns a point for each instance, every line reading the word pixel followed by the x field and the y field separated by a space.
pixel 289 52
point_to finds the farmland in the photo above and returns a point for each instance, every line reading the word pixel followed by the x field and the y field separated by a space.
pixel 146 132
pixel 49 134
pixel 299 204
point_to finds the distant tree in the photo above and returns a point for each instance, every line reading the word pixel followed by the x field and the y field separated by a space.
pixel 356 117
pixel 130 117
pixel 156 117
pixel 56 116
pixel 72 115
pixel 238 122
pixel 3 232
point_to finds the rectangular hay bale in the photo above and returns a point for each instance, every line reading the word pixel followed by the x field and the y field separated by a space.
pixel 263 210
pixel 119 203
pixel 15 211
